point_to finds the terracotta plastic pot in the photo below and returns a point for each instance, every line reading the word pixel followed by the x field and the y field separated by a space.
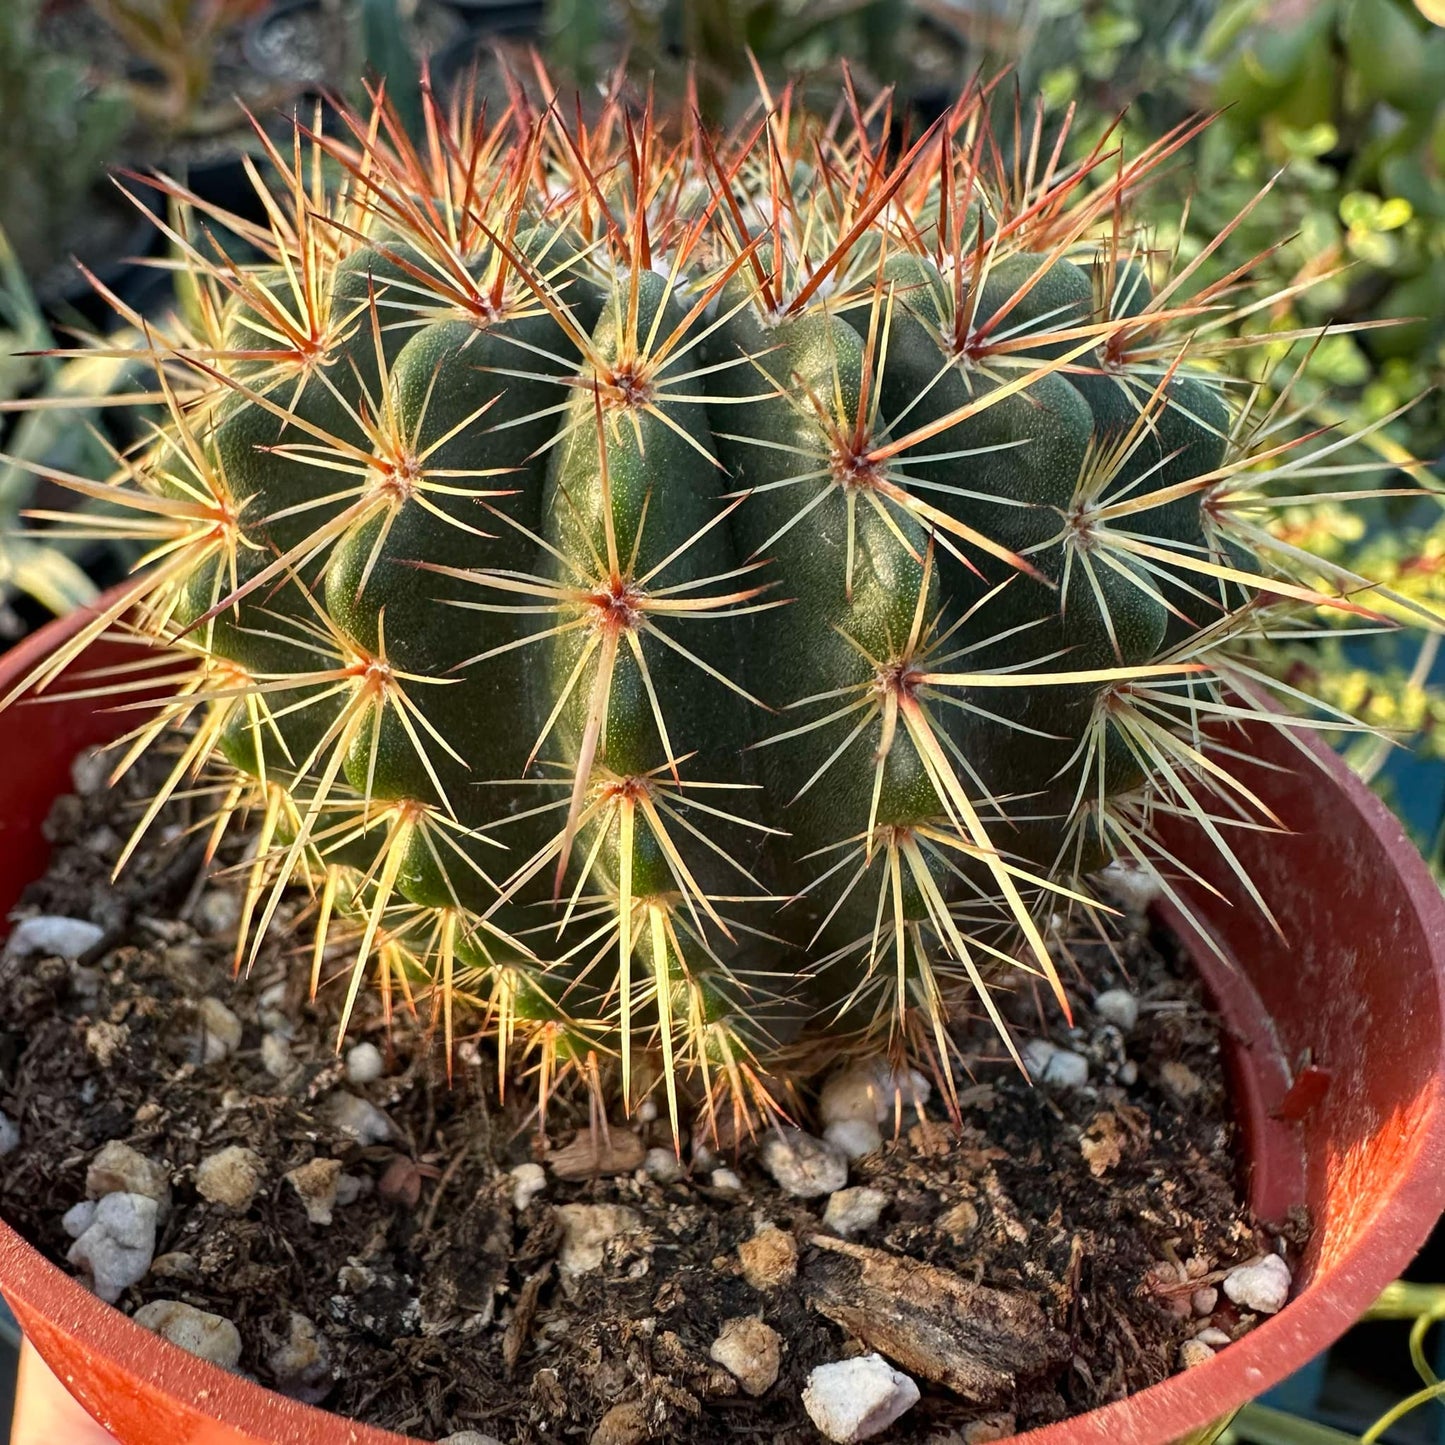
pixel 1336 1036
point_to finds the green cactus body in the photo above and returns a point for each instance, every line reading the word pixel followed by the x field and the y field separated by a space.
pixel 673 600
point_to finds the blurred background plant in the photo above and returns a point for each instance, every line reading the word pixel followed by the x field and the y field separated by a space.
pixel 58 129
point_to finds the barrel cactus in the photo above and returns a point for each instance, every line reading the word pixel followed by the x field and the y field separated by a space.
pixel 686 604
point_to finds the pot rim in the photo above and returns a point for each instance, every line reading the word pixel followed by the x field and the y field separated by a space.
pixel 1413 1199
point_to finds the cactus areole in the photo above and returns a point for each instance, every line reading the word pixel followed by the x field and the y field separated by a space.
pixel 684 603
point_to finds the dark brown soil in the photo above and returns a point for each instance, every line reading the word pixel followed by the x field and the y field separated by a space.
pixel 443 1307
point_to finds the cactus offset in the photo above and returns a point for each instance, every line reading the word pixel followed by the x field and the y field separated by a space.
pixel 677 598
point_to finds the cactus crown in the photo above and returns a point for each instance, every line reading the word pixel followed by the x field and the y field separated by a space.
pixel 674 598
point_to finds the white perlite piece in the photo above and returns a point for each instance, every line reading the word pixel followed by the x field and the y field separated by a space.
pixel 117 1246
pixel 1137 887
pixel 231 1177
pixel 528 1181
pixel 1060 1068
pixel 662 1165
pixel 316 1183
pixel 198 1332
pixel 364 1064
pixel 470 1437
pixel 9 1135
pixel 802 1165
pixel 1262 1286
pixel 1119 1007
pixel 750 1351
pixel 359 1118
pixel 119 1169
pixel 855 1137
pixel 726 1179
pixel 50 936
pixel 79 1217
pixel 851 1211
pixel 853 1400
pixel 219 913
pixel 220 1031
pixel 88 771
pixel 586 1231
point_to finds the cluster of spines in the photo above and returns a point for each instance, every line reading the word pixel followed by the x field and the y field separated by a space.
pixel 664 592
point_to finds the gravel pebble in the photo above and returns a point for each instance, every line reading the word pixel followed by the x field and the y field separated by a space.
pixel 727 1179
pixel 219 913
pixel 528 1181
pixel 316 1183
pixel 1119 1007
pixel 220 1031
pixel 231 1177
pixel 209 1337
pixel 750 1351
pixel 359 1118
pixel 1194 1352
pixel 49 936
pixel 118 1245
pixel 873 1091
pixel 364 1064
pixel 1262 1286
pixel 852 1400
pixel 301 1362
pixel 470 1437
pixel 769 1258
pixel 803 1166
pixel 276 1055
pixel 851 1211
pixel 119 1169
pixel 1059 1068
pixel 1204 1301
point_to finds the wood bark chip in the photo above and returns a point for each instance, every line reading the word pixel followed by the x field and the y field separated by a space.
pixel 592 1154
pixel 519 1327
pixel 933 1323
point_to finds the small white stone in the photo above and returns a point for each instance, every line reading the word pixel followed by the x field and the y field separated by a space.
pixel 230 1177
pixel 302 1361
pixel 119 1169
pixel 663 1165
pixel 220 1031
pixel 364 1064
pixel 1128 1073
pixel 853 1400
pixel 1215 1338
pixel 89 771
pixel 351 1187
pixel 1119 1007
pixel 271 1010
pixel 872 1091
pixel 316 1182
pixel 275 1055
pixel 646 1112
pixel 802 1165
pixel 1137 888
pixel 119 1245
pixel 1262 1287
pixel 586 1230
pixel 528 1181
pixel 851 1211
pixel 725 1179
pixel 1056 1067
pixel 1203 1301
pixel 750 1351
pixel 1194 1352
pixel 219 913
pixel 855 1137
pixel 79 1217
pixel 359 1118
pixel 470 1437
pixel 50 936
pixel 9 1135
pixel 200 1333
